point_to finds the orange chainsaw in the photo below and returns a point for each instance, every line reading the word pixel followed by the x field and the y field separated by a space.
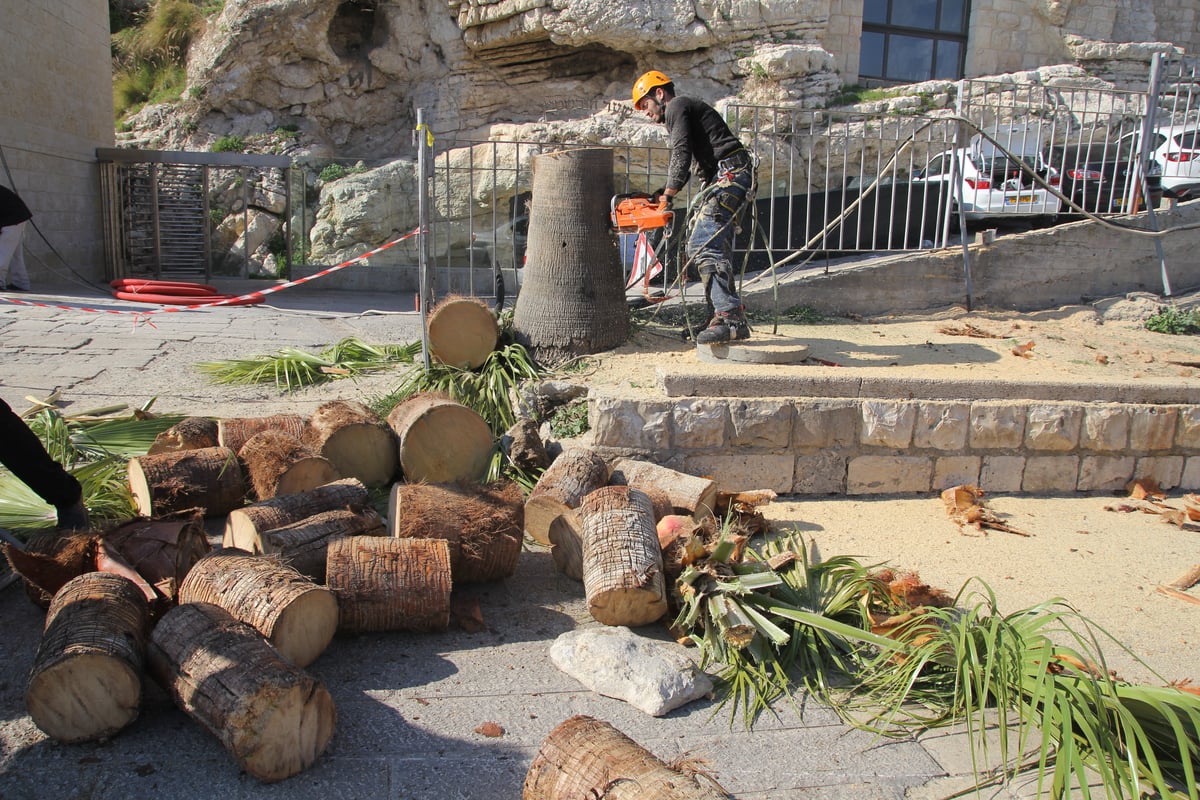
pixel 637 212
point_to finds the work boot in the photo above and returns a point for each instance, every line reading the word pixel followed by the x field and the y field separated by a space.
pixel 73 517
pixel 723 327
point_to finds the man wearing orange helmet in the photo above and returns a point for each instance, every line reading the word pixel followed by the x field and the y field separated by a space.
pixel 696 132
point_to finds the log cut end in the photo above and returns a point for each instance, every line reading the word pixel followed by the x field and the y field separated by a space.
pixel 441 441
pixel 306 627
pixel 293 729
pixel 84 698
pixel 462 332
pixel 630 606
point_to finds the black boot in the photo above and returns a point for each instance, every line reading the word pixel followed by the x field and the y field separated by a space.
pixel 723 327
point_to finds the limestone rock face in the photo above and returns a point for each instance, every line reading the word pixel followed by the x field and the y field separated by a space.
pixel 351 75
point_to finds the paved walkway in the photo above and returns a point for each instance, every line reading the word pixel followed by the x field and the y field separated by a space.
pixel 408 705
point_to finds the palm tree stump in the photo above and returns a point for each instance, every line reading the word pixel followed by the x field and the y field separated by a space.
pixel 572 300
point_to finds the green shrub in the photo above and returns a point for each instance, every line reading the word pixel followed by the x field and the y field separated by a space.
pixel 1170 319
pixel 332 172
pixel 570 420
pixel 229 144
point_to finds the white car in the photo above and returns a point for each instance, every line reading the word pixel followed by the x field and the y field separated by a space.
pixel 1176 149
pixel 994 184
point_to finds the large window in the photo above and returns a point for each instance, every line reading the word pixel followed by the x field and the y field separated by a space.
pixel 913 40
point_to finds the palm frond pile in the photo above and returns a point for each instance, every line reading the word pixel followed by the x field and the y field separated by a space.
pixel 854 642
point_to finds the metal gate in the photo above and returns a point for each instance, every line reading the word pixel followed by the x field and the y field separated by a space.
pixel 159 217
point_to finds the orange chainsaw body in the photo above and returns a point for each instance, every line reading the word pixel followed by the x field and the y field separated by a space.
pixel 633 213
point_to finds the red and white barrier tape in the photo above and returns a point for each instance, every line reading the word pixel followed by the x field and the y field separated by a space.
pixel 224 302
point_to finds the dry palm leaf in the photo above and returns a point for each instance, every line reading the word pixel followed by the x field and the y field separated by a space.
pixel 967 329
pixel 1023 350
pixel 965 507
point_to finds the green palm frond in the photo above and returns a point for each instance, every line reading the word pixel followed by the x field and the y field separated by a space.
pixel 291 368
pixel 1039 670
pixel 764 623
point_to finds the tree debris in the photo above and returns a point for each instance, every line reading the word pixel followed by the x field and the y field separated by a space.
pixel 965 507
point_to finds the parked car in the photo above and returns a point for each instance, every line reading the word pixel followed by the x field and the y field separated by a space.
pixel 1176 150
pixel 1102 177
pixel 994 184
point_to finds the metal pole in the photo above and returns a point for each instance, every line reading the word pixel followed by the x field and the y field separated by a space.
pixel 425 289
pixel 1148 123
pixel 961 142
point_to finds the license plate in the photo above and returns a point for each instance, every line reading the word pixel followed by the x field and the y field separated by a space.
pixel 1023 198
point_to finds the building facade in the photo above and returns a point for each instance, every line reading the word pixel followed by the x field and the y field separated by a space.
pixel 58 108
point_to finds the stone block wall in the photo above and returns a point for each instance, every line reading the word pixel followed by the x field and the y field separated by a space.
pixel 58 109
pixel 859 446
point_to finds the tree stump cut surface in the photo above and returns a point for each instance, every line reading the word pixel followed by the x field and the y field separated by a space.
pixel 86 681
pixel 572 476
pixel 271 716
pixel 244 526
pixel 622 561
pixel 278 463
pixel 688 494
pixel 295 615
pixel 462 332
pixel 587 757
pixel 440 441
pixel 304 545
pixel 354 440
pixel 209 478
pixel 390 584
pixel 480 523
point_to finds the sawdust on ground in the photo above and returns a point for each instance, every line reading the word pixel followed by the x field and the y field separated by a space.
pixel 1103 342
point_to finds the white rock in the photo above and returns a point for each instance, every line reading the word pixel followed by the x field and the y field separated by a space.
pixel 653 676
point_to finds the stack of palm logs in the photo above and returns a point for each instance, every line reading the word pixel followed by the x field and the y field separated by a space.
pixel 623 528
pixel 304 555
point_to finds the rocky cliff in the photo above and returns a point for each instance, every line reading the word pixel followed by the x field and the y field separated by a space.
pixel 349 76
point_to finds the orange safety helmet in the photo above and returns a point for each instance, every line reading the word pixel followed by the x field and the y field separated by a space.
pixel 648 83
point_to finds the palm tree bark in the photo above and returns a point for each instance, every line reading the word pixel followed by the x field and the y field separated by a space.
pixel 572 300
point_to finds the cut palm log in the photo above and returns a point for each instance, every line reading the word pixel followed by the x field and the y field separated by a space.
pixel 303 545
pixel 525 447
pixel 244 526
pixel 295 615
pixel 566 536
pixel 278 463
pixel 688 494
pixel 390 584
pixel 566 544
pixel 354 440
pixel 234 432
pixel 271 716
pixel 160 551
pixel 572 476
pixel 210 478
pixel 622 561
pixel 440 441
pixel 462 332
pixel 482 524
pixel 190 433
pixel 588 757
pixel 86 681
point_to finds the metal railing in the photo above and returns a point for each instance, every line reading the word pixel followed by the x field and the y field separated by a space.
pixel 831 184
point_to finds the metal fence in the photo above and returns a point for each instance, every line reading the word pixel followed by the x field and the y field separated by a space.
pixel 831 184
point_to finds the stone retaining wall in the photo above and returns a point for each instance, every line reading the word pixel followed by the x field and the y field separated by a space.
pixel 863 446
